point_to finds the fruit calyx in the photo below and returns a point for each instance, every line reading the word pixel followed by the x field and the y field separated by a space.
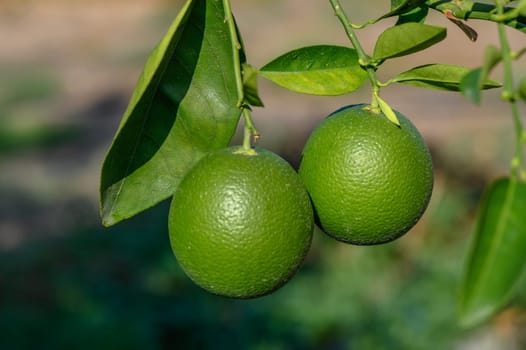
pixel 246 151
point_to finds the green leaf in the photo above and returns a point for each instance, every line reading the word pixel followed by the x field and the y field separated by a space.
pixel 183 106
pixel 519 53
pixel 417 14
pixel 474 81
pixel 522 89
pixel 317 70
pixel 387 110
pixel 399 7
pixel 522 8
pixel 470 85
pixel 405 39
pixel 439 77
pixel 250 86
pixel 492 56
pixel 498 253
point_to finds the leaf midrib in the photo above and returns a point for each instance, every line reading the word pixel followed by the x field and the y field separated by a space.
pixel 291 72
pixel 506 210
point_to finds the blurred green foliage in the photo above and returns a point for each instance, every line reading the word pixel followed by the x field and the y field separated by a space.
pixel 35 137
pixel 82 286
pixel 22 86
pixel 121 288
pixel 25 92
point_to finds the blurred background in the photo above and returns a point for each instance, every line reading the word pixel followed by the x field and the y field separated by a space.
pixel 67 70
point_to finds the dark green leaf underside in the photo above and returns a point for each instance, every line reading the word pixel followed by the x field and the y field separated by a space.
pixel 417 14
pixel 184 105
pixel 498 256
pixel 317 70
pixel 399 7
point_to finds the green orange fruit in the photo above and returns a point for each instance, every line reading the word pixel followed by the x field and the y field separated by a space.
pixel 241 222
pixel 369 180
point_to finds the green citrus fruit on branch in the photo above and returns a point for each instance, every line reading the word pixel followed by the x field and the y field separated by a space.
pixel 241 222
pixel 369 180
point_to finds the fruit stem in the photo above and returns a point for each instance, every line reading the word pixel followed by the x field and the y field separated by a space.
pixel 517 164
pixel 363 59
pixel 250 130
pixel 338 10
pixel 374 100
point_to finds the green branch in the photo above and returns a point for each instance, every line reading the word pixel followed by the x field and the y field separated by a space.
pixel 364 59
pixel 250 130
pixel 508 95
pixel 236 47
pixel 509 16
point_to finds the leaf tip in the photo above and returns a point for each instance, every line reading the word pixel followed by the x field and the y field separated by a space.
pixel 108 220
pixel 387 111
pixel 393 119
pixel 108 217
pixel 469 318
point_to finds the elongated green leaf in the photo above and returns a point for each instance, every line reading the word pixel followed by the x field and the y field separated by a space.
pixel 522 89
pixel 470 85
pixel 473 82
pixel 317 70
pixel 492 56
pixel 250 86
pixel 184 105
pixel 405 39
pixel 387 110
pixel 498 253
pixel 438 76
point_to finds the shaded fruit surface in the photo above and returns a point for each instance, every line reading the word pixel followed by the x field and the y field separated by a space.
pixel 369 180
pixel 241 222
